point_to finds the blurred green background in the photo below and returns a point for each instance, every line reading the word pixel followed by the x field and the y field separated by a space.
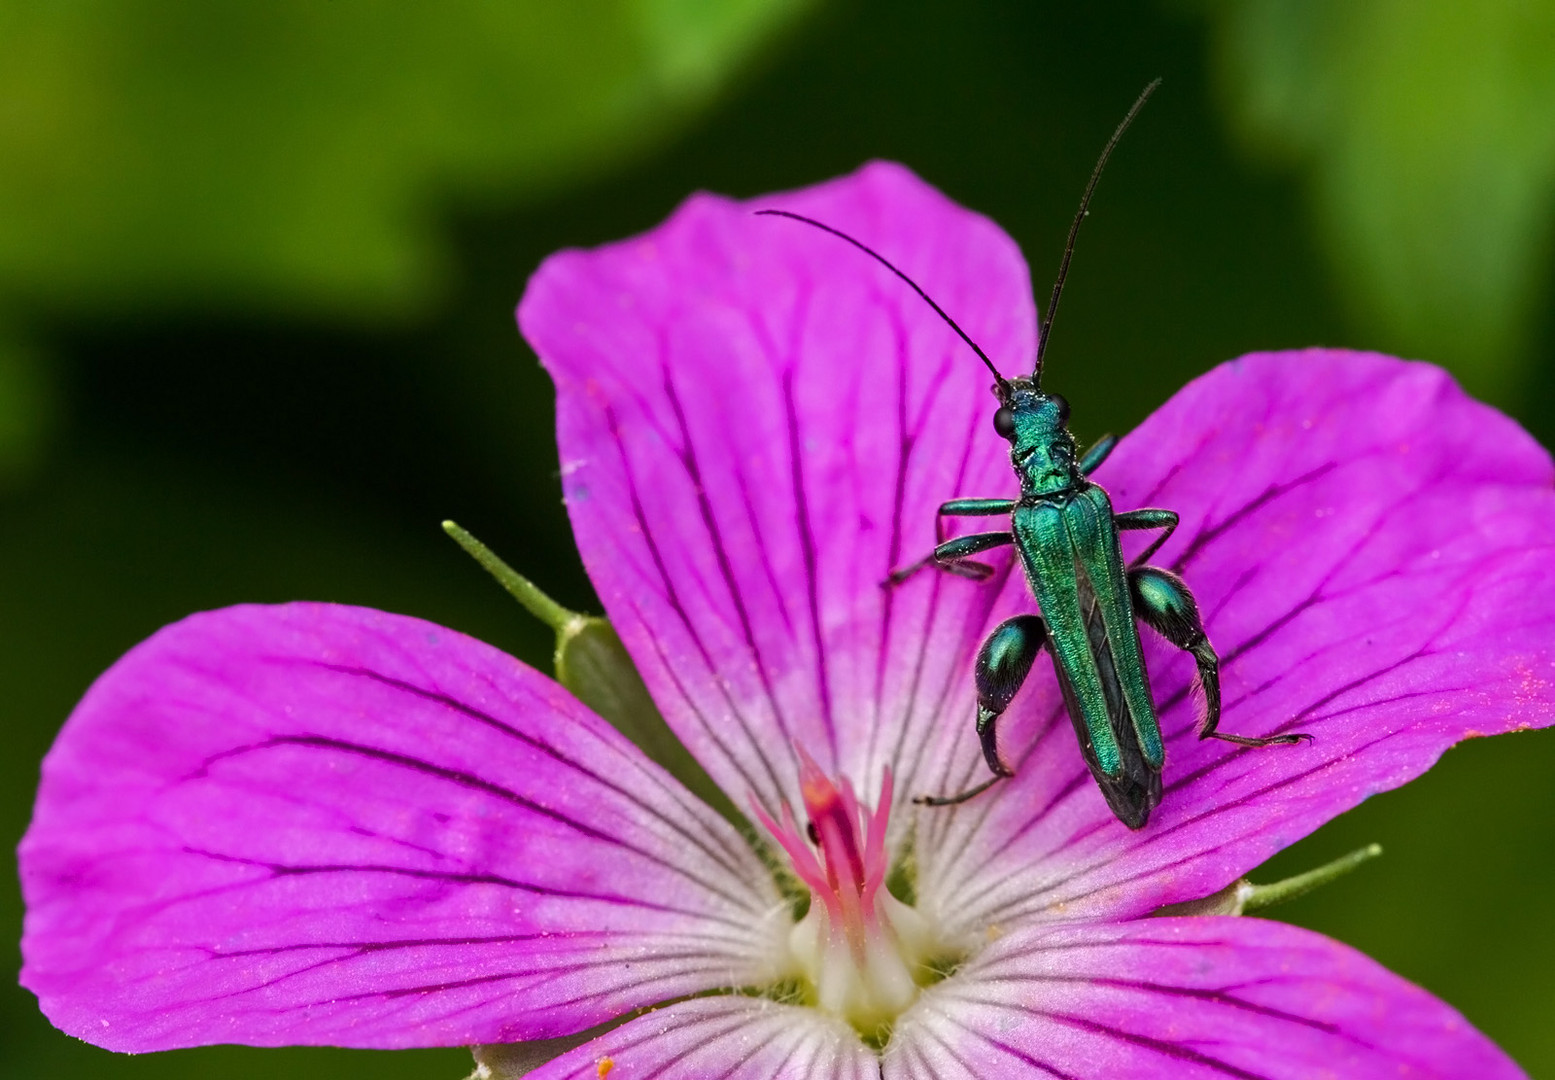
pixel 258 262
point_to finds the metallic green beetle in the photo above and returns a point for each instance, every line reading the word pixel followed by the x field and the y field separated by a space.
pixel 1065 533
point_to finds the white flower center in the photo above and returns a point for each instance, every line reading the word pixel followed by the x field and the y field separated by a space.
pixel 861 952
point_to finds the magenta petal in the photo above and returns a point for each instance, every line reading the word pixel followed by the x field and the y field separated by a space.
pixel 756 423
pixel 1185 998
pixel 1371 550
pixel 723 1038
pixel 321 824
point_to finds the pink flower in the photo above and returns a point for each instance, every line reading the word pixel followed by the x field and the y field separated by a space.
pixel 317 824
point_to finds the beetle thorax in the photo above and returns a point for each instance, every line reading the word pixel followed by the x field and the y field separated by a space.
pixel 1041 448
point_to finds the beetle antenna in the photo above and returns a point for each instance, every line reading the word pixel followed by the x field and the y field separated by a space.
pixel 1074 230
pixel 999 380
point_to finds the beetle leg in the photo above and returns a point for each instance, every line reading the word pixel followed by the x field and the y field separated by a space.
pixel 1003 663
pixel 1097 454
pixel 975 571
pixel 1165 520
pixel 951 556
pixel 954 508
pixel 1163 601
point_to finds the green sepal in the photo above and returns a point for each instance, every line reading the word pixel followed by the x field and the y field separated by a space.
pixel 595 666
pixel 1242 896
pixel 592 663
pixel 507 1061
pixel 1262 896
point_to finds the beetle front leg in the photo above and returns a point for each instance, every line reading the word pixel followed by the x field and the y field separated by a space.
pixel 1097 454
pixel 1163 601
pixel 1003 663
pixel 954 508
pixel 952 554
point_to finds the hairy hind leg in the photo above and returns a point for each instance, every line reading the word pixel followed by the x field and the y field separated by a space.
pixel 1164 602
pixel 1003 663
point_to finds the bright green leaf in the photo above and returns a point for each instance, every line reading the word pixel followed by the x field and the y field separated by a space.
pixel 293 153
pixel 1425 130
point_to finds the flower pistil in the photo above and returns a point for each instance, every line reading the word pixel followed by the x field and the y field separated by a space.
pixel 859 952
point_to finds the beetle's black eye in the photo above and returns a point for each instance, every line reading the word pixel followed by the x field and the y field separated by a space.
pixel 1062 404
pixel 1004 422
